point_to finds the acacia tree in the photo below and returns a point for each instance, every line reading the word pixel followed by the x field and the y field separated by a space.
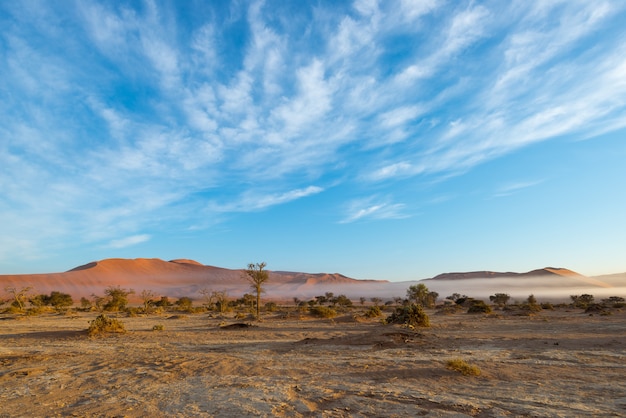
pixel 116 298
pixel 257 276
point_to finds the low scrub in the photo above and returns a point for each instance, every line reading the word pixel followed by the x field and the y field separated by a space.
pixel 103 324
pixel 463 367
pixel 412 315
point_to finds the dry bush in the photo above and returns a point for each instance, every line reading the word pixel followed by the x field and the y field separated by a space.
pixel 463 367
pixel 103 324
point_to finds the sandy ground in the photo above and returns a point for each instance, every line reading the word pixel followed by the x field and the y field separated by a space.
pixel 560 363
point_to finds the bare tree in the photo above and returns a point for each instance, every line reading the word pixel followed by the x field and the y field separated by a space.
pixel 257 276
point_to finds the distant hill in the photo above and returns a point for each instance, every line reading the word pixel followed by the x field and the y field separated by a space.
pixel 546 272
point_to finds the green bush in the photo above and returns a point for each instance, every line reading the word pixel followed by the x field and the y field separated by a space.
pixel 103 324
pixel 463 367
pixel 412 315
pixel 323 311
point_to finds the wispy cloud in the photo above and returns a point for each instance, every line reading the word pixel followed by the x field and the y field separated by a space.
pixel 374 208
pixel 129 241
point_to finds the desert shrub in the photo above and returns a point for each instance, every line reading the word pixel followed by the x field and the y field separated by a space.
pixel 530 307
pixel 373 312
pixel 547 306
pixel 412 315
pixel 323 311
pixel 500 299
pixel 478 306
pixel 582 301
pixel 13 309
pixel 37 310
pixel 164 302
pixel 85 304
pixel 449 308
pixel 133 312
pixel 463 367
pixel 595 308
pixel 103 324
pixel 184 304
pixel 158 327
pixel 271 307
pixel 343 301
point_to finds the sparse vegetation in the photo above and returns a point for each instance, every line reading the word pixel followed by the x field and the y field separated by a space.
pixel 582 301
pixel 184 304
pixel 463 367
pixel 615 302
pixel 531 305
pixel 411 315
pixel 103 324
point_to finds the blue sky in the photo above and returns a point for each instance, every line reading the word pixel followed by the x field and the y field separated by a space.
pixel 385 140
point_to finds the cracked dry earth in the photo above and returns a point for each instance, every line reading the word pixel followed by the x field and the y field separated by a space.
pixel 561 363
